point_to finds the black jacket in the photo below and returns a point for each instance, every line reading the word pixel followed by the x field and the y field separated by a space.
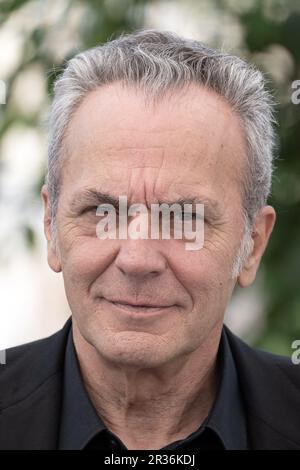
pixel 31 391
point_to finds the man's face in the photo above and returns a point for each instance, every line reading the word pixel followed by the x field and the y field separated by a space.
pixel 189 145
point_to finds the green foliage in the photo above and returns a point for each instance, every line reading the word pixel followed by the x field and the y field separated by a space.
pixel 282 258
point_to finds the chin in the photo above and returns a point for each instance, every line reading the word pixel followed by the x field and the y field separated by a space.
pixel 133 350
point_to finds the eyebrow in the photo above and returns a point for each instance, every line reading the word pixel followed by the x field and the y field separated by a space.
pixel 91 196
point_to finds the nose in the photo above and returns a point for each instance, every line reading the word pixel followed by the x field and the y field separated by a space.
pixel 140 259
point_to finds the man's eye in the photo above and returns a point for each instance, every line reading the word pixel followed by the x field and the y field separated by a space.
pixel 189 216
pixel 90 210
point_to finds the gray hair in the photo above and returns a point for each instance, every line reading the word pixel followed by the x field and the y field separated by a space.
pixel 158 62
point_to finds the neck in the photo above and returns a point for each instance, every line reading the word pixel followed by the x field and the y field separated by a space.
pixel 150 408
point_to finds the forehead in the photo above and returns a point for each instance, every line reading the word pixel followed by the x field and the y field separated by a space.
pixel 187 139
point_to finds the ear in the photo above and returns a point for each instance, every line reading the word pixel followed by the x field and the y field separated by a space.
pixel 262 230
pixel 53 259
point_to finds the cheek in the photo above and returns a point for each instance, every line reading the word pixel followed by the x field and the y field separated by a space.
pixel 205 276
pixel 86 259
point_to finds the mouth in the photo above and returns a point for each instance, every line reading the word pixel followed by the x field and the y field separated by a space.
pixel 137 310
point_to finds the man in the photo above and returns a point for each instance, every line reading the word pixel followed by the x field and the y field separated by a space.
pixel 145 361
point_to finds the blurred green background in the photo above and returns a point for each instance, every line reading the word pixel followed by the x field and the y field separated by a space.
pixel 37 36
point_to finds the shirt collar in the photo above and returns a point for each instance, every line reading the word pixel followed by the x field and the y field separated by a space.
pixel 80 421
pixel 227 417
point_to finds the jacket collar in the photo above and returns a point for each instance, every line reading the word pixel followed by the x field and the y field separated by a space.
pixel 270 385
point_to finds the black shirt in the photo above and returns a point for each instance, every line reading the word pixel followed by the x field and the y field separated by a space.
pixel 223 429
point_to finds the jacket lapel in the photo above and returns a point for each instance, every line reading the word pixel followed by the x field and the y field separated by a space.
pixel 30 393
pixel 270 386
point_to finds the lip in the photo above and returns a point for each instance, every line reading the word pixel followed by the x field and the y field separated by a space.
pixel 139 310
